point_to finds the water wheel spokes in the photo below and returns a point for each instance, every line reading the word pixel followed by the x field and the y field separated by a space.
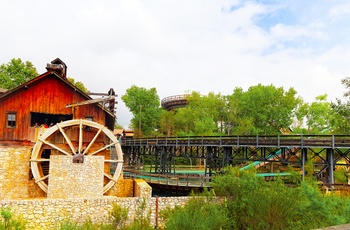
pixel 93 147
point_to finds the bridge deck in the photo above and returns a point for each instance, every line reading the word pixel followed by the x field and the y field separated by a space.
pixel 325 141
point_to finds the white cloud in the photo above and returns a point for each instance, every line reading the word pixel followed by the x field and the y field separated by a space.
pixel 180 46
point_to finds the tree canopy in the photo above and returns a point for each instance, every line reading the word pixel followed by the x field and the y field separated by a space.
pixel 259 110
pixel 144 104
pixel 15 73
pixel 341 110
pixel 78 84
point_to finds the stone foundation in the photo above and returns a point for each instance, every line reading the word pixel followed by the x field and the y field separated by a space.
pixel 47 214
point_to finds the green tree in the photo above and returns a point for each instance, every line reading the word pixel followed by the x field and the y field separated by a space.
pixel 167 123
pixel 237 121
pixel 144 104
pixel 317 115
pixel 15 73
pixel 261 109
pixel 78 84
pixel 201 116
pixel 341 111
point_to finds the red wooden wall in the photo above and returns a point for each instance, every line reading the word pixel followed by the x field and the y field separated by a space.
pixel 49 94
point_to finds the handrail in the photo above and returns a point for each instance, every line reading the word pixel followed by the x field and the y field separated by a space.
pixel 324 141
pixel 174 98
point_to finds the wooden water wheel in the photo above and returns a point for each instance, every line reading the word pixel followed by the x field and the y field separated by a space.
pixel 76 138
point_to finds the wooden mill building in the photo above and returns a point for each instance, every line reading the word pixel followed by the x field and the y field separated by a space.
pixel 51 104
pixel 42 101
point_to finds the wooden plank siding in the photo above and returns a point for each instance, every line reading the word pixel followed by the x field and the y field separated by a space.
pixel 46 94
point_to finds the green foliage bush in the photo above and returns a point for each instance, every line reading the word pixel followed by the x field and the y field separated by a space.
pixel 142 218
pixel 9 221
pixel 118 216
pixel 199 213
pixel 254 203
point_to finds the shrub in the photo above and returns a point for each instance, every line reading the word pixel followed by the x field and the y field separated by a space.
pixel 254 203
pixel 201 212
pixel 118 216
pixel 142 220
pixel 9 221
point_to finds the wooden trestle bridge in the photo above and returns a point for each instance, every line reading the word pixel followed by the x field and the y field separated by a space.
pixel 326 152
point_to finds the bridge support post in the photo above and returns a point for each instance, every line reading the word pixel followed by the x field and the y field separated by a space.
pixel 227 157
pixel 303 161
pixel 209 159
pixel 330 166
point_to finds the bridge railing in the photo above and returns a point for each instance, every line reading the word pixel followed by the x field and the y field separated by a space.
pixel 325 141
pixel 174 98
pixel 172 179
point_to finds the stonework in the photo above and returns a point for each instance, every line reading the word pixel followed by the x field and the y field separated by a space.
pixel 15 177
pixel 122 188
pixel 47 214
pixel 67 200
pixel 82 180
pixel 17 182
pixel 142 189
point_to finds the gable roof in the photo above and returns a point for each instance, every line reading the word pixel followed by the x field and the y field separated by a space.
pixel 44 75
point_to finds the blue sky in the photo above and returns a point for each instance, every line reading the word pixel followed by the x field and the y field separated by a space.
pixel 179 46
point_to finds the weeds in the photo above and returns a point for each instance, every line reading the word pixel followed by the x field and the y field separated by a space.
pixel 9 221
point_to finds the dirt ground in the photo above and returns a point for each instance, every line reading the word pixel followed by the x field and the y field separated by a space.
pixel 338 227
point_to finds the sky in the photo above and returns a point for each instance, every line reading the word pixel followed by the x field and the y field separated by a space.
pixel 180 46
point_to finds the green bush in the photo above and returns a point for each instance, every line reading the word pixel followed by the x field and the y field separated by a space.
pixel 69 225
pixel 118 216
pixel 201 212
pixel 254 203
pixel 9 221
pixel 142 220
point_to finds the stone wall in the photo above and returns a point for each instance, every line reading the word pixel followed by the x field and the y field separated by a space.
pixel 19 191
pixel 49 213
pixel 16 181
pixel 142 189
pixel 122 188
pixel 68 179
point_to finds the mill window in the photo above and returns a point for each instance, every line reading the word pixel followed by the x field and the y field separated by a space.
pixel 11 120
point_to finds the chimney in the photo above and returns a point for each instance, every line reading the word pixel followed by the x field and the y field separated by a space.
pixel 58 67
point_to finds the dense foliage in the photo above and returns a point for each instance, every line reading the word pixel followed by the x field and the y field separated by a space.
pixel 253 203
pixel 341 110
pixel 144 104
pixel 15 73
pixel 9 221
pixel 199 213
pixel 78 84
pixel 260 110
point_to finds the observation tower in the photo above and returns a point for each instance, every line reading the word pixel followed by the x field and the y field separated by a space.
pixel 174 102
